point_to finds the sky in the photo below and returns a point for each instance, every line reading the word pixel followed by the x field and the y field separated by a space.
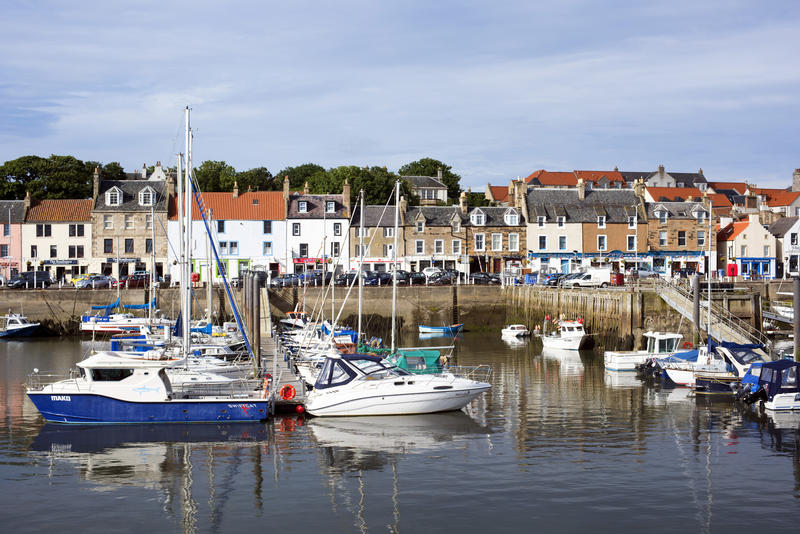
pixel 494 89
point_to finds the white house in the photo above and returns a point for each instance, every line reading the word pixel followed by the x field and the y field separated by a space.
pixel 747 245
pixel 555 230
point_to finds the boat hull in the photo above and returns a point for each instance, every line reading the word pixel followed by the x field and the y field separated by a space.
pixel 24 331
pixel 455 329
pixel 92 408
pixel 626 361
pixel 563 343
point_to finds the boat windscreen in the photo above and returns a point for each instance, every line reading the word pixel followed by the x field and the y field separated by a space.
pixel 744 356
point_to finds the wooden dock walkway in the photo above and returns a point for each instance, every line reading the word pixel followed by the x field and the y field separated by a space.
pixel 273 363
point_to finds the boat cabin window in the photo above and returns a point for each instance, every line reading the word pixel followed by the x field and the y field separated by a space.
pixel 755 371
pixel 789 377
pixel 110 375
pixel 368 366
pixel 651 344
pixel 334 373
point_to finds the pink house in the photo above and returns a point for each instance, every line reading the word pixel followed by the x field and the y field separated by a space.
pixel 12 215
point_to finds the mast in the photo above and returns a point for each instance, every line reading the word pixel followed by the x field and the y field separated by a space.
pixel 119 282
pixel 360 264
pixel 152 265
pixel 187 236
pixel 710 227
pixel 394 259
pixel 209 273
pixel 181 252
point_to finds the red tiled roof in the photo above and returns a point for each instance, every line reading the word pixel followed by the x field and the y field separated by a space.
pixel 252 206
pixel 776 197
pixel 739 187
pixel 595 176
pixel 718 200
pixel 499 192
pixel 67 210
pixel 733 229
pixel 674 194
pixel 557 178
pixel 534 174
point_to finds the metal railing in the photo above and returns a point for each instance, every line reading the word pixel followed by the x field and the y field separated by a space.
pixel 38 380
pixel 237 389
pixel 479 373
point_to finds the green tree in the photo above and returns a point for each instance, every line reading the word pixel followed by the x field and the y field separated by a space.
pixel 215 176
pixel 475 200
pixel 111 171
pixel 430 167
pixel 54 177
pixel 257 179
pixel 377 183
pixel 301 174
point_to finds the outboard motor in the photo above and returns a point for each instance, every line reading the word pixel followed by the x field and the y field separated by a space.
pixel 755 396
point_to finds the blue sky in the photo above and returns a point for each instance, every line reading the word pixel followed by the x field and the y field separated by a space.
pixel 495 89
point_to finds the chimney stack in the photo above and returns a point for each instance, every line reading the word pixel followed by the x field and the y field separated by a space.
pixel 581 189
pixel 700 172
pixel 463 203
pixel 144 171
pixel 305 188
pixel 285 196
pixel 661 172
pixel 796 180
pixel 402 210
pixel 639 189
pixel 346 197
pixel 170 184
pixel 235 189
pixel 96 183
pixel 27 202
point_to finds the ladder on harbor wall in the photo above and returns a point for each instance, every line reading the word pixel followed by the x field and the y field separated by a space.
pixel 724 325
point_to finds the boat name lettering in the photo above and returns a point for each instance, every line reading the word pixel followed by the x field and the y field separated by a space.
pixel 241 405
pixel 60 398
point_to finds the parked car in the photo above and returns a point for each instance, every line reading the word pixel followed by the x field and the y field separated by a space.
pixel 314 278
pixel 30 279
pixel 483 278
pixel 96 281
pixel 372 278
pixel 416 279
pixel 430 271
pixel 286 280
pixel 133 281
pixel 554 278
pixel 78 277
pixel 402 276
pixel 592 278
pixel 344 279
pixel 642 273
pixel 441 279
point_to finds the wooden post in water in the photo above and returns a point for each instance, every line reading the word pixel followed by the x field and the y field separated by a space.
pixel 696 307
pixel 796 320
pixel 256 298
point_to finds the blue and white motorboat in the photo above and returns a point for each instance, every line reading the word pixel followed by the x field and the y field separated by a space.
pixel 441 330
pixel 112 388
pixel 773 383
pixel 16 325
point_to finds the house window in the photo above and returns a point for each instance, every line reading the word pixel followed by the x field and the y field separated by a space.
pixel 148 245
pixel 129 222
pixel 3 251
pixel 456 246
pixel 34 251
pixel 129 246
pixel 419 246
pixel 387 250
pixel 108 222
pixel 477 218
pixel 513 242
pixel 267 227
pixel 266 249
pixel 6 230
pixel 793 238
pixel 148 221
pixel 76 230
pixel 53 251
pixel 456 226
pixel 438 246
pixel 561 220
pixel 480 244
pixel 744 251
pixel 682 238
pixel 295 228
pixel 540 221
pixel 43 230
pixel 362 250
pixel 75 251
pixel 233 248
pixel 601 242
pixel 330 206
pixel 335 249
pixel 662 239
pixel 631 242
pixel 420 226
pixel 632 221
pixel 362 232
pixel 497 242
pixel 512 219
pixel 662 216
pixel 302 207
pixel 388 232
pixel 542 242
pixel 223 248
pixel 113 198
pixel 766 251
pixel 108 246
pixel 701 238
pixel 220 227
pixel 146 197
pixel 303 250
pixel 701 217
pixel 601 221
pixel 337 228
pixel 562 242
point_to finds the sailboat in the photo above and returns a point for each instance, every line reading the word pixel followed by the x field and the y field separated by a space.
pixel 112 387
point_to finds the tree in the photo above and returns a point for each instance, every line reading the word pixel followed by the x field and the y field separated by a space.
pixel 257 179
pixel 54 177
pixel 475 200
pixel 377 183
pixel 301 174
pixel 112 171
pixel 430 167
pixel 215 176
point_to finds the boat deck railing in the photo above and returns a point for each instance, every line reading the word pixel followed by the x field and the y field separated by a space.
pixel 37 380
pixel 479 373
pixel 239 389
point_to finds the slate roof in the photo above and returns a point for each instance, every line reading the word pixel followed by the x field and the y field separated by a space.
pixel 782 225
pixel 249 206
pixel 17 211
pixel 739 187
pixel 688 178
pixel 60 210
pixel 436 215
pixel 632 176
pixel 677 210
pixel 424 181
pixel 130 195
pixel 615 204
pixel 316 207
pixel 374 216
pixel 495 215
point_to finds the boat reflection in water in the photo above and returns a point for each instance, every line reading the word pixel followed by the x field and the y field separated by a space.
pixel 622 380
pixel 516 342
pixel 570 363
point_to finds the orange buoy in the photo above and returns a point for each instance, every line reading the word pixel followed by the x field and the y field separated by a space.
pixel 288 392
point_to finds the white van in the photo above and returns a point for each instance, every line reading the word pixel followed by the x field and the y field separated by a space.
pixel 597 277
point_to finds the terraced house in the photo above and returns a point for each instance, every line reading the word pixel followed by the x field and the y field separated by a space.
pixel 679 236
pixel 12 215
pixel 378 237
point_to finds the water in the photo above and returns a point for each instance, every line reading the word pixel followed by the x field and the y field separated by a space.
pixel 556 446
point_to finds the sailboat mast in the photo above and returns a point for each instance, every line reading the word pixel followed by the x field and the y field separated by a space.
pixel 394 259
pixel 187 236
pixel 360 264
pixel 181 252
pixel 152 264
pixel 209 273
pixel 710 228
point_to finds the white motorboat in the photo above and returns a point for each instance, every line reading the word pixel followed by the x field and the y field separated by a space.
pixel 118 323
pixel 569 335
pixel 359 384
pixel 569 361
pixel 515 330
pixel 724 361
pixel 16 325
pixel 659 345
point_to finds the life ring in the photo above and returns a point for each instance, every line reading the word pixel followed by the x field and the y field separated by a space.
pixel 287 392
pixel 688 345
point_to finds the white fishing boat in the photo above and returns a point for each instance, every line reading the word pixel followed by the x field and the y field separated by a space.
pixel 16 325
pixel 569 335
pixel 658 345
pixel 360 384
pixel 515 330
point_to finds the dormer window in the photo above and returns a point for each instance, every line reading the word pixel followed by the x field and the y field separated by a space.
pixel 601 221
pixel 701 217
pixel 114 197
pixel 561 220
pixel 540 221
pixel 420 226
pixel 477 218
pixel 662 216
pixel 147 196
pixel 457 226
pixel 330 206
pixel 632 221
pixel 512 218
pixel 302 207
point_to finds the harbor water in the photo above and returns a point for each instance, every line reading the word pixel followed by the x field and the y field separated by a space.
pixel 557 445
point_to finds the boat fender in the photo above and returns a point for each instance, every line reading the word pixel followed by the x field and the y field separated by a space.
pixel 287 392
pixel 688 345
